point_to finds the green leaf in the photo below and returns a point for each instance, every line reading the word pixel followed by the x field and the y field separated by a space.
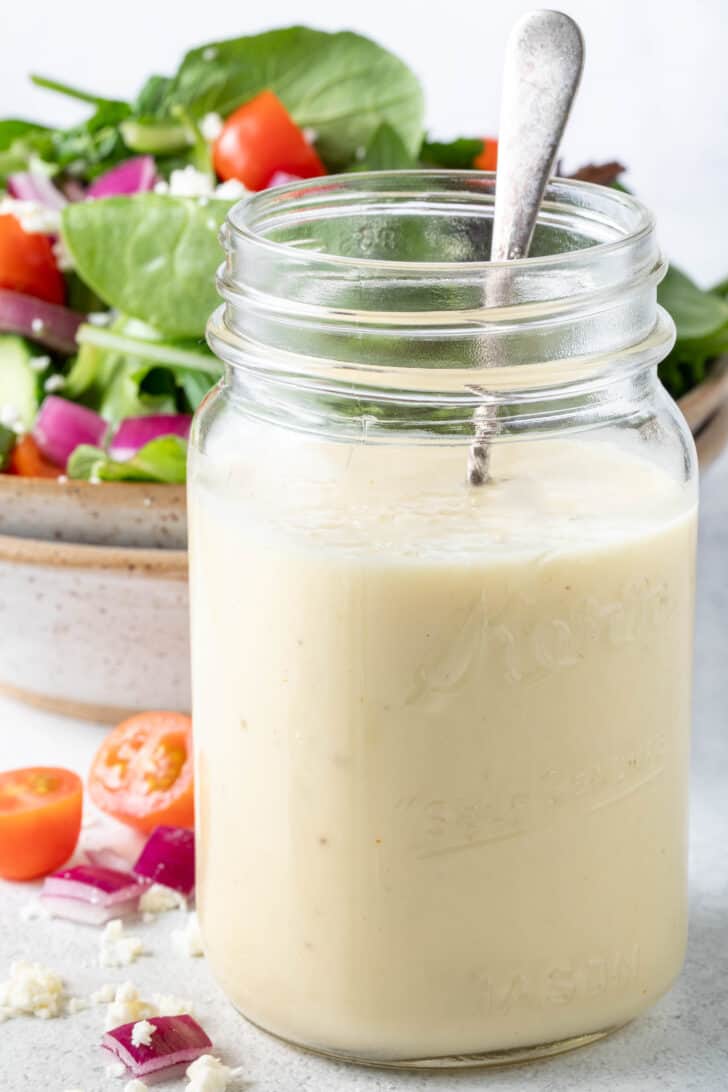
pixel 73 92
pixel 152 96
pixel 695 312
pixel 7 443
pixel 150 256
pixel 161 460
pixel 14 129
pixel 455 154
pixel 341 85
pixel 386 151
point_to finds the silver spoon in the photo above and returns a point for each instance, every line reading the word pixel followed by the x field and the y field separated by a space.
pixel 544 60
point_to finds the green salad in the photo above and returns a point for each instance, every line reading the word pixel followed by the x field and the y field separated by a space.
pixel 109 238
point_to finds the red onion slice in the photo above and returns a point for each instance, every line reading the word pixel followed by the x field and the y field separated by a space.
pixel 33 186
pixel 62 425
pixel 103 886
pixel 49 323
pixel 134 175
pixel 87 913
pixel 134 432
pixel 176 1040
pixel 169 858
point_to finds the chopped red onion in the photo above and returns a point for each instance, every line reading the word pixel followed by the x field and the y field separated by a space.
pixel 73 189
pixel 49 323
pixel 91 894
pixel 169 858
pixel 33 186
pixel 176 1040
pixel 62 425
pixel 134 432
pixel 132 176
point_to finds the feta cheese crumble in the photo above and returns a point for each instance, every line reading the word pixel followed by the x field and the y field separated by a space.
pixel 37 326
pixel 31 990
pixel 230 190
pixel 208 1074
pixel 39 363
pixel 187 182
pixel 54 383
pixel 189 939
pixel 169 1005
pixel 105 994
pixel 117 949
pixel 33 217
pixel 76 1004
pixel 127 1007
pixel 116 1069
pixel 10 417
pixel 211 127
pixel 157 899
pixel 141 1033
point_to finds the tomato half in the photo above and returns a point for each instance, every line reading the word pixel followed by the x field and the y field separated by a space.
pixel 28 461
pixel 40 820
pixel 487 160
pixel 142 772
pixel 27 263
pixel 260 138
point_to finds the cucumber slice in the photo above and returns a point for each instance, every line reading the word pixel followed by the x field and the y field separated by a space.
pixel 19 382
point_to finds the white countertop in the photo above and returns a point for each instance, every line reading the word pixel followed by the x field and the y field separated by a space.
pixel 680 1046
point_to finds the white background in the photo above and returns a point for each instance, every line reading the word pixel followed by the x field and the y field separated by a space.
pixel 655 90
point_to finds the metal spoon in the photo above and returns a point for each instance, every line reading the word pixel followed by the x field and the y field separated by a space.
pixel 544 60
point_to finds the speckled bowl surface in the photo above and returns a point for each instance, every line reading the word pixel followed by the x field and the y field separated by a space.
pixel 135 514
pixel 94 631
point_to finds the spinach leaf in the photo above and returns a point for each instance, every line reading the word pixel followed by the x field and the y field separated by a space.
pixel 14 129
pixel 150 100
pixel 696 313
pixel 456 154
pixel 150 256
pixel 701 321
pixel 386 151
pixel 341 85
pixel 161 460
pixel 129 369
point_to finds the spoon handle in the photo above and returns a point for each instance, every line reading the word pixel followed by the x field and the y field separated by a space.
pixel 544 59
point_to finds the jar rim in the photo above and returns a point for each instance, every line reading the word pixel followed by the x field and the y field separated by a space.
pixel 252 209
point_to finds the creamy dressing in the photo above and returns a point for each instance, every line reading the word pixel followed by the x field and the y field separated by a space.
pixel 442 739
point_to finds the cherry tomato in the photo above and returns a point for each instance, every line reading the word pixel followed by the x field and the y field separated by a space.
pixel 487 160
pixel 28 461
pixel 40 820
pixel 260 138
pixel 27 263
pixel 142 772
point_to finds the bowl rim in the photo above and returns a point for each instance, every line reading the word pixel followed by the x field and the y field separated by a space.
pixel 133 560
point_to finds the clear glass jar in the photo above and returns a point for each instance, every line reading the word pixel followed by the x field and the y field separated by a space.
pixel 441 727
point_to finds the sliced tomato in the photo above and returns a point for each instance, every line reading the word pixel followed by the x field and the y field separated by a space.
pixel 260 138
pixel 40 820
pixel 142 772
pixel 27 262
pixel 487 160
pixel 28 461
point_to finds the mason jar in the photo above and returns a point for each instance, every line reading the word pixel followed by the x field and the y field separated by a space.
pixel 442 519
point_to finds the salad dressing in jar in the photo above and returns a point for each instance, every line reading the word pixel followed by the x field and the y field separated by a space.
pixel 441 731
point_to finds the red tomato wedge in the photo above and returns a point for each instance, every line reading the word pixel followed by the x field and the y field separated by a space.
pixel 28 461
pixel 142 772
pixel 260 138
pixel 40 820
pixel 27 263
pixel 487 160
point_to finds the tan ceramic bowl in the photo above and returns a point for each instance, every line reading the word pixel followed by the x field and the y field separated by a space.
pixel 93 631
pixel 107 514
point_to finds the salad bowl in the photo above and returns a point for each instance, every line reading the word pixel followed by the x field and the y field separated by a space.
pixel 96 632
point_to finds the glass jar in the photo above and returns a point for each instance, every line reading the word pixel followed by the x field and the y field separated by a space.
pixel 442 519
